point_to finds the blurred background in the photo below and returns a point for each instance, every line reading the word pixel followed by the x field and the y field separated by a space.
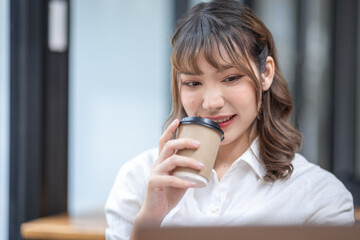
pixel 85 86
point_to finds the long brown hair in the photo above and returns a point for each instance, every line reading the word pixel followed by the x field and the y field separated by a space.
pixel 245 39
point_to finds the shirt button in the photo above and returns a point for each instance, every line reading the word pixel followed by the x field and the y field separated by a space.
pixel 214 209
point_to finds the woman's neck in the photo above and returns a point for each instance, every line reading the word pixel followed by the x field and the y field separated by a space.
pixel 228 153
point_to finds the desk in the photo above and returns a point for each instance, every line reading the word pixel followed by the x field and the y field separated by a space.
pixel 357 214
pixel 62 226
pixel 251 233
pixel 90 226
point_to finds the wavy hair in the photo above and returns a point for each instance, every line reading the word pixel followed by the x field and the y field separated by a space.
pixel 245 39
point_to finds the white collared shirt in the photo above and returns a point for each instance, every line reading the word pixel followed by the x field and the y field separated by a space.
pixel 310 196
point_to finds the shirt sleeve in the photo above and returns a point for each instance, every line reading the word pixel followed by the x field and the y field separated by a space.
pixel 126 197
pixel 330 203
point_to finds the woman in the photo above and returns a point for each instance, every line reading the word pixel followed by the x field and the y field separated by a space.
pixel 224 67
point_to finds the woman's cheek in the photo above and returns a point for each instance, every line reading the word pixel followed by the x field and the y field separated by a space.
pixel 245 94
pixel 189 103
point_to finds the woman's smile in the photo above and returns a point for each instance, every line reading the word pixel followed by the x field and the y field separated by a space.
pixel 224 120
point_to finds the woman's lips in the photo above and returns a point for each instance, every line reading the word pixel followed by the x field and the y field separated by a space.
pixel 227 123
pixel 223 121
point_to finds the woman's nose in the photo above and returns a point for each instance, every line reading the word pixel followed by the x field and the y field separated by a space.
pixel 213 100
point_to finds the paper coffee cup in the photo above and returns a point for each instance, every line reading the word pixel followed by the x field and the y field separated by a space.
pixel 210 135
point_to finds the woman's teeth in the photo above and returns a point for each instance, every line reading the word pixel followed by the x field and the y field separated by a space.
pixel 223 120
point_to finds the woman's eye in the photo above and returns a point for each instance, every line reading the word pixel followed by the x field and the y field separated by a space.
pixel 192 84
pixel 233 78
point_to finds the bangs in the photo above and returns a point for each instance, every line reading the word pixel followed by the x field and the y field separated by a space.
pixel 221 46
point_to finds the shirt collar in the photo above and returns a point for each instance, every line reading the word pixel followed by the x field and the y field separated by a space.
pixel 252 157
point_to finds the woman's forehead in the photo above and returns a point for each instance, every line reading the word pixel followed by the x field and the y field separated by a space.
pixel 218 58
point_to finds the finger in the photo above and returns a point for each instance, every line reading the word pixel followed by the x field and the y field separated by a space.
pixel 178 161
pixel 177 144
pixel 169 181
pixel 168 134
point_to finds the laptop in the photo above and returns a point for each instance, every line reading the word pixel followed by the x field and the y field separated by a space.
pixel 252 233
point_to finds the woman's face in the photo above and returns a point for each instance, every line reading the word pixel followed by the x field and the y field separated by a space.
pixel 227 97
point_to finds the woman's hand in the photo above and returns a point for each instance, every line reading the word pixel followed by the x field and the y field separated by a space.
pixel 164 190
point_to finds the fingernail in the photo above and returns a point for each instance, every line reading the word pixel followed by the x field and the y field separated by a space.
pixel 174 121
pixel 192 184
pixel 196 143
pixel 200 164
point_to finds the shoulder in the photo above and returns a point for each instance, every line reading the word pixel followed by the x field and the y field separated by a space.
pixel 314 176
pixel 328 200
pixel 133 176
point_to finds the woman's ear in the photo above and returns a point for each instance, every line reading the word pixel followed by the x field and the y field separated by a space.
pixel 268 75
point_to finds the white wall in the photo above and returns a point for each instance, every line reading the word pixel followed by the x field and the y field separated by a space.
pixel 4 116
pixel 119 68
